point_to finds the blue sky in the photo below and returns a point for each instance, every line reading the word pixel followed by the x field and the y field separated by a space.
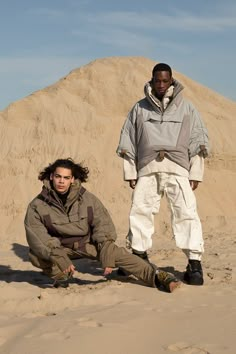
pixel 42 41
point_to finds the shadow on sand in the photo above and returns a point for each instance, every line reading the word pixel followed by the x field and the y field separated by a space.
pixel 84 266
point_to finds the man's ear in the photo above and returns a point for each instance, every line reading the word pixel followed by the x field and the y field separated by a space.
pixel 72 180
pixel 51 176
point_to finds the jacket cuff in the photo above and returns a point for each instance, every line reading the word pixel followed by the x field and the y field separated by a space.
pixel 59 257
pixel 196 168
pixel 107 254
pixel 129 167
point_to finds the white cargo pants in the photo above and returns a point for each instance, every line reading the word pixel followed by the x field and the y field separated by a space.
pixel 185 221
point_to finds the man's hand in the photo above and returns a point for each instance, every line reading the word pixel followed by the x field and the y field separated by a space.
pixel 132 183
pixel 107 271
pixel 194 184
pixel 70 270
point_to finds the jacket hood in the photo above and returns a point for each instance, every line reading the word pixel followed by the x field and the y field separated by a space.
pixel 172 92
pixel 50 195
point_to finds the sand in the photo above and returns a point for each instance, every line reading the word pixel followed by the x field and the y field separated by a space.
pixel 80 116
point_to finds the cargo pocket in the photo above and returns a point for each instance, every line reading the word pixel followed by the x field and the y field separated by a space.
pixel 187 193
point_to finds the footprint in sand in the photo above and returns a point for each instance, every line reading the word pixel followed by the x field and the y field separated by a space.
pixel 62 334
pixel 186 348
pixel 44 335
pixel 56 335
pixel 88 322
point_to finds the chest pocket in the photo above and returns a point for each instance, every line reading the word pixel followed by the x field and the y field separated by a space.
pixel 164 133
pixel 74 242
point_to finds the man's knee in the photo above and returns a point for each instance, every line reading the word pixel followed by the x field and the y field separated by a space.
pixel 48 268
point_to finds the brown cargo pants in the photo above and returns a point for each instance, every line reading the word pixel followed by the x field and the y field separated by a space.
pixel 110 254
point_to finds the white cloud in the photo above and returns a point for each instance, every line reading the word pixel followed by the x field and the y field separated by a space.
pixel 179 20
pixel 116 37
pixel 46 12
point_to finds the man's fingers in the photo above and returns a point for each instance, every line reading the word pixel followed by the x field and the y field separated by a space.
pixel 107 271
pixel 194 184
pixel 70 269
pixel 132 183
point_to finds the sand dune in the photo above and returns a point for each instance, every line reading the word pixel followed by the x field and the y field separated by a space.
pixel 80 116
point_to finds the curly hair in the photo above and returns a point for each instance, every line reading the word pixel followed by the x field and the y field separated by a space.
pixel 77 170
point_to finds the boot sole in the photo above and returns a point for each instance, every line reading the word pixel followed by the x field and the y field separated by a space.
pixel 194 280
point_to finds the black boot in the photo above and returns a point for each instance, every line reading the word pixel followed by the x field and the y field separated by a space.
pixel 63 280
pixel 194 273
pixel 142 255
pixel 121 272
pixel 64 283
pixel 166 280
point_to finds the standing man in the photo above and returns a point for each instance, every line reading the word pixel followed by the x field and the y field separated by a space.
pixel 163 143
pixel 65 222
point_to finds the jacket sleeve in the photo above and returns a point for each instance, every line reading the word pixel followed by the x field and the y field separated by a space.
pixel 129 167
pixel 103 227
pixel 199 142
pixel 37 235
pixel 196 168
pixel 127 143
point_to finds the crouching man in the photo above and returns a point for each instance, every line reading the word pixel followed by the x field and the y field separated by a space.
pixel 66 222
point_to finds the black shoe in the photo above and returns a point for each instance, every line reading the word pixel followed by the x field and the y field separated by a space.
pixel 166 280
pixel 194 273
pixel 142 255
pixel 64 283
pixel 121 272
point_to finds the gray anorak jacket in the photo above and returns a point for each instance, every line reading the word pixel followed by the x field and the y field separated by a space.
pixel 48 223
pixel 153 132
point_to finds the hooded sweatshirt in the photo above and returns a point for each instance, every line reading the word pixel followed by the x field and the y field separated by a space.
pixel 163 136
pixel 68 220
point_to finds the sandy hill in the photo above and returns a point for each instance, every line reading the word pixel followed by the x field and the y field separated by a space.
pixel 80 116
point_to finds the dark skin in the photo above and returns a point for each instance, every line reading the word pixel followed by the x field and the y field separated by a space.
pixel 161 81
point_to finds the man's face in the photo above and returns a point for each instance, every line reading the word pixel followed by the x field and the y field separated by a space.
pixel 161 82
pixel 61 179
